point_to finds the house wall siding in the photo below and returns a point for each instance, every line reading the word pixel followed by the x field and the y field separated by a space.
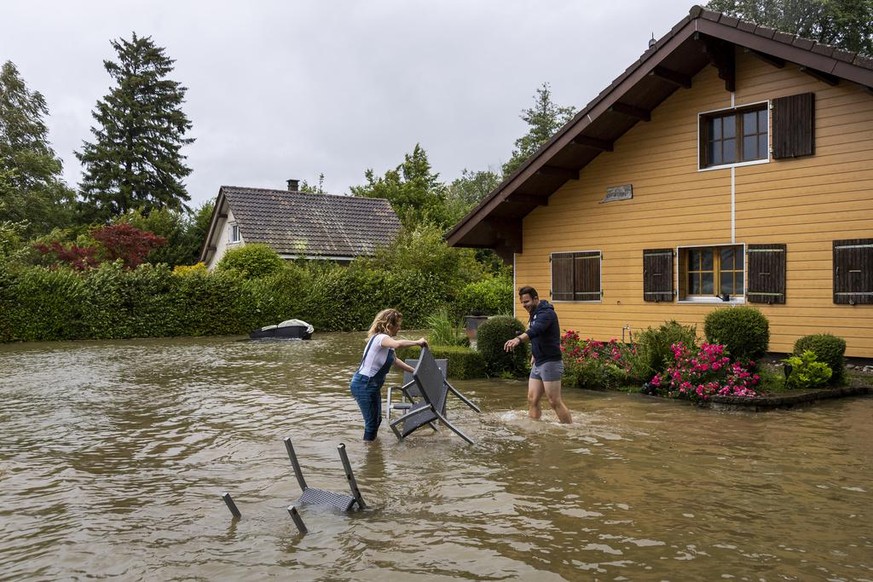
pixel 805 203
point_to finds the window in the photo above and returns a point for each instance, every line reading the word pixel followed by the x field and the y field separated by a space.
pixel 707 272
pixel 853 271
pixel 734 136
pixel 765 264
pixel 234 236
pixel 576 276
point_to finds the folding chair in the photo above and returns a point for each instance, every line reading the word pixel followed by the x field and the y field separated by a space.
pixel 320 496
pixel 434 390
pixel 409 392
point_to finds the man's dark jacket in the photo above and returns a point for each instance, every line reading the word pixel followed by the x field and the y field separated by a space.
pixel 544 333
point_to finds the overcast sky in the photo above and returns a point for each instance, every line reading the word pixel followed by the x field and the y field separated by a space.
pixel 282 89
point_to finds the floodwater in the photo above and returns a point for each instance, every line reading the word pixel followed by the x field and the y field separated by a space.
pixel 114 457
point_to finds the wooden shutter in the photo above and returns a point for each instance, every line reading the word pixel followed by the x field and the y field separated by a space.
pixel 658 275
pixel 766 272
pixel 587 279
pixel 576 276
pixel 794 126
pixel 562 277
pixel 853 271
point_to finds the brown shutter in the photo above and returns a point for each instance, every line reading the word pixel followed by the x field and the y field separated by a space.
pixel 794 126
pixel 658 275
pixel 562 276
pixel 853 271
pixel 587 276
pixel 766 268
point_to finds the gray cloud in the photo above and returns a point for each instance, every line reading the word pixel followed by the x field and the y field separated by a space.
pixel 289 88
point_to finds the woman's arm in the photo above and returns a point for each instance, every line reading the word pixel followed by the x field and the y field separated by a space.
pixel 390 342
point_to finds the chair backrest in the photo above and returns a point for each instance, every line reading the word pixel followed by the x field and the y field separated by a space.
pixel 430 380
pixel 442 364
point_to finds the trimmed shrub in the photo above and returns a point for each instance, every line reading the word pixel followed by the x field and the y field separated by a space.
pixel 806 371
pixel 828 349
pixel 463 363
pixel 653 347
pixel 744 331
pixel 491 296
pixel 490 337
pixel 252 261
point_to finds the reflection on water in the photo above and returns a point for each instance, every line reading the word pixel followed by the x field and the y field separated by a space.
pixel 114 456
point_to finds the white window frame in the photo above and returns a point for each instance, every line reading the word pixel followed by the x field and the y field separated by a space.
pixel 726 110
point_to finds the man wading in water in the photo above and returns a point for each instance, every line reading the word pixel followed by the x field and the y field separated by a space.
pixel 544 335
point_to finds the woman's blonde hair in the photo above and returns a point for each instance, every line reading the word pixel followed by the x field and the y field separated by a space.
pixel 385 319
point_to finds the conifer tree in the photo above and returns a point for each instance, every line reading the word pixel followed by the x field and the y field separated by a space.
pixel 135 160
pixel 544 118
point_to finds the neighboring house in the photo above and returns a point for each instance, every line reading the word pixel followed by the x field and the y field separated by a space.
pixel 731 164
pixel 298 225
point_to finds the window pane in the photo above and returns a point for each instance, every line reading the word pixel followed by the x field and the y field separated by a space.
pixel 750 123
pixel 715 158
pixel 750 148
pixel 762 120
pixel 706 280
pixel 728 258
pixel 716 128
pixel 730 126
pixel 762 146
pixel 730 153
pixel 705 259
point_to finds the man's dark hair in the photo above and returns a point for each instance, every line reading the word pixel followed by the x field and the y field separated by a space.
pixel 528 291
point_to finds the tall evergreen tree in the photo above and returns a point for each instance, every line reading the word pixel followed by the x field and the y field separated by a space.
pixel 32 192
pixel 135 161
pixel 847 24
pixel 544 118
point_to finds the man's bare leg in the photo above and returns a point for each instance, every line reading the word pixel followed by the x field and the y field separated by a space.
pixel 553 393
pixel 535 391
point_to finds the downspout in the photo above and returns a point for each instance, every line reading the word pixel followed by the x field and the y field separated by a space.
pixel 734 188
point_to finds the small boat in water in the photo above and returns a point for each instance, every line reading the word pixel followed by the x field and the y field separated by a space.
pixel 288 329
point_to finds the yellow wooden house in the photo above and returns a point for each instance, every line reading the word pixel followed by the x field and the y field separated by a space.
pixel 732 164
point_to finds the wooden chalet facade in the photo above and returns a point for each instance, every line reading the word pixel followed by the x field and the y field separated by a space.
pixel 730 165
pixel 298 225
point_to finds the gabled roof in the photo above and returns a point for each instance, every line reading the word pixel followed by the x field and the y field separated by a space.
pixel 702 38
pixel 297 224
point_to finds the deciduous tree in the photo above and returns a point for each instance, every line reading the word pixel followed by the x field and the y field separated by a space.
pixel 135 160
pixel 414 191
pixel 32 192
pixel 847 24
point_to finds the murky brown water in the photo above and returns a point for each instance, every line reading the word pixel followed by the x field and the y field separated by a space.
pixel 114 455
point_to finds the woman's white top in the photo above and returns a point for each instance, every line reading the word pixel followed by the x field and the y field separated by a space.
pixel 374 356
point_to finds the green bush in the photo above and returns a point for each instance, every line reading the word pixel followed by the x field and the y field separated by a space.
pixel 653 347
pixel 827 348
pixel 490 337
pixel 744 331
pixel 806 371
pixel 252 261
pixel 490 296
pixel 463 363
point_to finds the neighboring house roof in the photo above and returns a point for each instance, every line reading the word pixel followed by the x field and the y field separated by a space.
pixel 297 224
pixel 702 38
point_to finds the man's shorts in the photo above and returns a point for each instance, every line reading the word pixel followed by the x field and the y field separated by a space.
pixel 548 371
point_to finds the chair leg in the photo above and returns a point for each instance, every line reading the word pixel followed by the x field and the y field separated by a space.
pixel 353 484
pixel 295 465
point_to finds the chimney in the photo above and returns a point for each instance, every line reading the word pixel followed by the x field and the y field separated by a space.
pixel 293 185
